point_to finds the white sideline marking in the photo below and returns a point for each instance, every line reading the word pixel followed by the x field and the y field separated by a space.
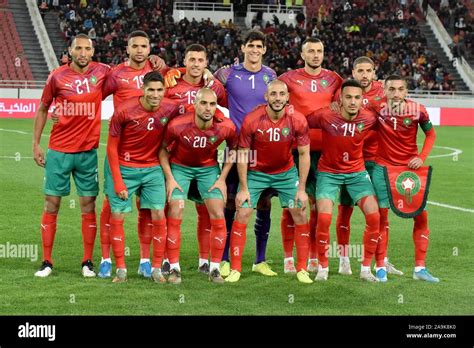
pixel 452 154
pixel 15 157
pixel 451 207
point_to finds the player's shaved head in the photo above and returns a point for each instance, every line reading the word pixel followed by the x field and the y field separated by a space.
pixel 272 84
pixel 277 95
pixel 205 105
pixel 205 93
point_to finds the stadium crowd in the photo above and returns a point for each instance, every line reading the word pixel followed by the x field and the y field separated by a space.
pixel 387 32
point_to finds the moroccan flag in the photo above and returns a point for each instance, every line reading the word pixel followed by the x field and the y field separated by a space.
pixel 407 189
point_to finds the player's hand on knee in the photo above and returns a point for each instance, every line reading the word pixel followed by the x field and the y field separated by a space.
pixel 123 195
pixel 221 186
pixel 157 62
pixel 38 156
pixel 172 185
pixel 241 198
pixel 301 198
pixel 415 163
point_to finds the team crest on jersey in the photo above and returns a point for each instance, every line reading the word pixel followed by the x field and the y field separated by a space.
pixel 212 139
pixel 324 83
pixel 266 79
pixel 93 79
pixel 360 127
pixel 285 131
pixel 164 120
pixel 407 121
pixel 377 98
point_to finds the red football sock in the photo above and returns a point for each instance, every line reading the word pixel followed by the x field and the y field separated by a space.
pixel 343 228
pixel 218 239
pixel 144 232
pixel 48 231
pixel 118 242
pixel 165 255
pixel 313 245
pixel 322 238
pixel 173 239
pixel 89 231
pixel 371 236
pixel 421 235
pixel 203 231
pixel 381 251
pixel 158 231
pixel 287 226
pixel 302 246
pixel 105 229
pixel 237 245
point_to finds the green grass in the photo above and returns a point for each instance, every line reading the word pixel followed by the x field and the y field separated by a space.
pixel 66 292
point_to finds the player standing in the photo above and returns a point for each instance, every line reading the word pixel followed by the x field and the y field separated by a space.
pixel 342 164
pixel 311 88
pixel 135 134
pixel 184 92
pixel 398 126
pixel 246 85
pixel 76 89
pixel 190 144
pixel 270 132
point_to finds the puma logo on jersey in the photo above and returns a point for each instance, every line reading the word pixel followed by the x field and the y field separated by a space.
pixel 300 82
pixel 68 85
pixel 137 122
pixel 179 95
pixel 333 125
pixel 239 77
pixel 187 138
pixel 261 131
pixel 124 80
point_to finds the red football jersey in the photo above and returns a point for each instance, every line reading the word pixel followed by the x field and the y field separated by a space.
pixel 397 130
pixel 342 139
pixel 78 100
pixel 370 143
pixel 311 92
pixel 140 131
pixel 125 82
pixel 193 147
pixel 270 143
pixel 184 93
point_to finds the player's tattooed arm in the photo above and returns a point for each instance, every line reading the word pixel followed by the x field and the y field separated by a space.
pixel 40 120
pixel 301 197
pixel 242 167
pixel 171 183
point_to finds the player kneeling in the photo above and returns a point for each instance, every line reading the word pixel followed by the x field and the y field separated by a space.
pixel 135 134
pixel 269 132
pixel 189 152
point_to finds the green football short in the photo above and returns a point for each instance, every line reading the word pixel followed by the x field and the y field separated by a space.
pixel 60 165
pixel 149 181
pixel 345 198
pixel 205 177
pixel 380 186
pixel 286 184
pixel 358 185
pixel 313 169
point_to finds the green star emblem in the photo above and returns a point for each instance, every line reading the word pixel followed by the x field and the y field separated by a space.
pixel 212 139
pixel 266 79
pixel 285 131
pixel 360 127
pixel 324 83
pixel 164 120
pixel 407 121
pixel 93 79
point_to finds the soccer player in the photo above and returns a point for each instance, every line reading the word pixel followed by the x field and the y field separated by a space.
pixel 125 82
pixel 136 130
pixel 184 93
pixel 190 144
pixel 76 89
pixel 246 84
pixel 364 72
pixel 311 88
pixel 342 164
pixel 269 133
pixel 399 119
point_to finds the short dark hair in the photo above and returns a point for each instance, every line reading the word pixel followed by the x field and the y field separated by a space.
pixel 138 33
pixel 195 48
pixel 255 35
pixel 350 83
pixel 361 60
pixel 312 40
pixel 395 77
pixel 79 36
pixel 153 76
